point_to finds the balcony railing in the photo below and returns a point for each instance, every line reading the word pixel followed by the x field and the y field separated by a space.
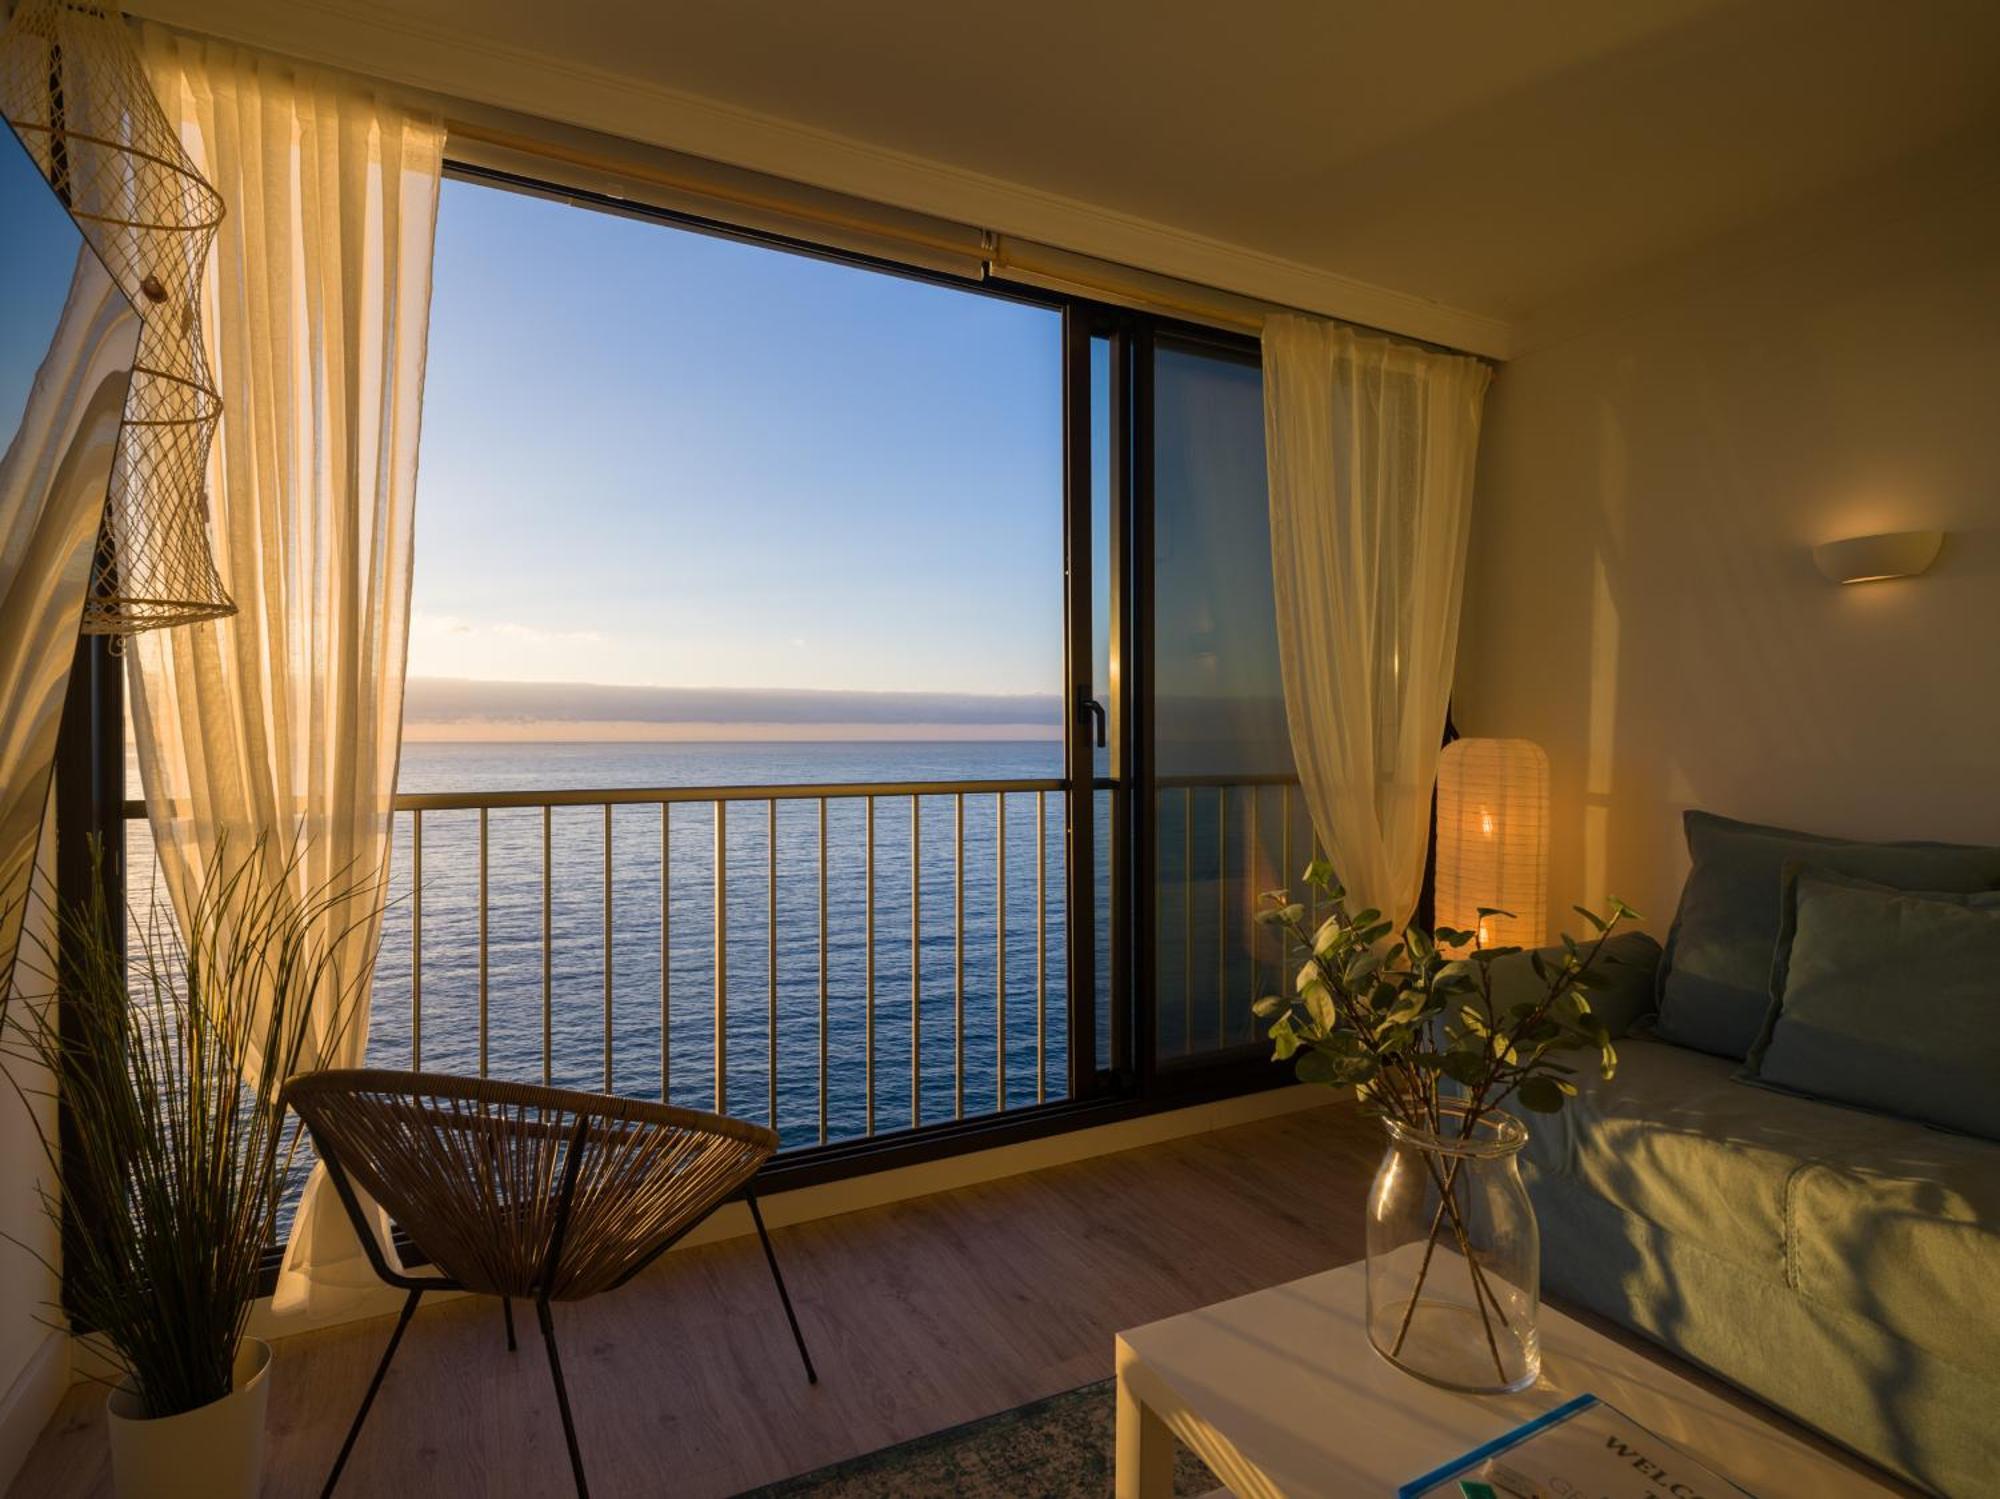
pixel 843 883
pixel 839 960
pixel 1243 960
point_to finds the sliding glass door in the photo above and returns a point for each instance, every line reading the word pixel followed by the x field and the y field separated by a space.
pixel 1192 804
pixel 1227 821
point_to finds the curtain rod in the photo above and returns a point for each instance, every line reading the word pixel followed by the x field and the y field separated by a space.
pixel 741 197
pixel 1074 273
pixel 1065 270
pixel 990 249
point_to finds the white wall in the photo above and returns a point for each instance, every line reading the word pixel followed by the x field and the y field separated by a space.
pixel 34 1361
pixel 1641 600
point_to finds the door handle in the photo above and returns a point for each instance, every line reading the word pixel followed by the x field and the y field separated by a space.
pixel 1095 709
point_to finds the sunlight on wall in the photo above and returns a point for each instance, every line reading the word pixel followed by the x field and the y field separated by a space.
pixel 1641 598
pixel 1603 736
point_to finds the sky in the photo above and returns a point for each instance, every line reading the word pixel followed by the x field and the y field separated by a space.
pixel 658 458
pixel 37 261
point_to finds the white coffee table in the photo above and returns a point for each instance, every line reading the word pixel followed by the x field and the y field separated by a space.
pixel 1281 1395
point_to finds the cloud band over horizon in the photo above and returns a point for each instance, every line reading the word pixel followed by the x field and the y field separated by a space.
pixel 460 707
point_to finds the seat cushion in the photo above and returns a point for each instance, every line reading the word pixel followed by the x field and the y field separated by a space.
pixel 1675 1140
pixel 1715 976
pixel 1880 1218
pixel 1906 1232
pixel 1927 1417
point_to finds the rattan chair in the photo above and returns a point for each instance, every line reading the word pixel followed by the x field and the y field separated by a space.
pixel 512 1190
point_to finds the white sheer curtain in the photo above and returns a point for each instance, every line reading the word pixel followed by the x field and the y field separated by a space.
pixel 286 720
pixel 1370 446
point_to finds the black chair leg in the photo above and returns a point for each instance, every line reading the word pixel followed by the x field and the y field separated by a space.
pixel 771 1259
pixel 507 1311
pixel 409 1309
pixel 562 1395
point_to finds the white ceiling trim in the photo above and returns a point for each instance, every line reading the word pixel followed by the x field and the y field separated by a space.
pixel 379 43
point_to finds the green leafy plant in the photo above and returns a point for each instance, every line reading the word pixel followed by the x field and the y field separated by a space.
pixel 171 1061
pixel 1411 1024
pixel 1398 1020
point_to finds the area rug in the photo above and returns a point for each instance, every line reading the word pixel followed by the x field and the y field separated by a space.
pixel 1058 1448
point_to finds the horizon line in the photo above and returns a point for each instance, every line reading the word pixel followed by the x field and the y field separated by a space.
pixel 480 708
pixel 653 731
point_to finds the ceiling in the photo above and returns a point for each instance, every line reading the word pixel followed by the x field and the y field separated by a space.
pixel 1489 155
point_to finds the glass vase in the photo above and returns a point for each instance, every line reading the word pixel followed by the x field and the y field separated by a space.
pixel 1454 1257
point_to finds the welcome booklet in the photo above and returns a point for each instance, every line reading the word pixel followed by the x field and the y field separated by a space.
pixel 1582 1450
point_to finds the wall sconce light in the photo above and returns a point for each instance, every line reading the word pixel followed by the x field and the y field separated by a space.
pixel 1493 839
pixel 1870 559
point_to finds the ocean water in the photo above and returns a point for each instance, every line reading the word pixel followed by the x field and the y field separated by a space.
pixel 768 1007
pixel 588 1007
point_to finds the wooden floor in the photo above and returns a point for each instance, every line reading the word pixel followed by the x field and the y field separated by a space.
pixel 920 1315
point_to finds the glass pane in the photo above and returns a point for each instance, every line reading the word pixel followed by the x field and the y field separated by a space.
pixel 1100 674
pixel 1228 818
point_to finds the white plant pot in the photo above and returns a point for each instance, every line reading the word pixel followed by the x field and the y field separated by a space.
pixel 213 1452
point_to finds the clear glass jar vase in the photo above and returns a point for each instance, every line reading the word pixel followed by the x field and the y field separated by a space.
pixel 1454 1257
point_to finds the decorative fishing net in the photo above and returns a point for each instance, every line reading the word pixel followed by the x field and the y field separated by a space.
pixel 73 88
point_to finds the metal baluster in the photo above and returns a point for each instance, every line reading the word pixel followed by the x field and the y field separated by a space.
pixel 666 946
pixel 1187 920
pixel 1041 946
pixel 822 970
pixel 771 954
pixel 1000 946
pixel 417 941
pixel 721 956
pixel 482 942
pixel 958 958
pixel 916 964
pixel 868 1008
pixel 607 947
pixel 1285 853
pixel 548 947
pixel 1222 916
pixel 1251 929
pixel 1285 845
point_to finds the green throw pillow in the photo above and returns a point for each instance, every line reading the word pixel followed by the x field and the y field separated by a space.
pixel 1715 976
pixel 1886 999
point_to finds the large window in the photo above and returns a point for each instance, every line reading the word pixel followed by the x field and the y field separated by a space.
pixel 843 697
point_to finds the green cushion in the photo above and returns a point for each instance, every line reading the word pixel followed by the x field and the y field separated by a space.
pixel 1903 1232
pixel 1828 1363
pixel 1627 966
pixel 1886 999
pixel 1675 1140
pixel 1715 975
